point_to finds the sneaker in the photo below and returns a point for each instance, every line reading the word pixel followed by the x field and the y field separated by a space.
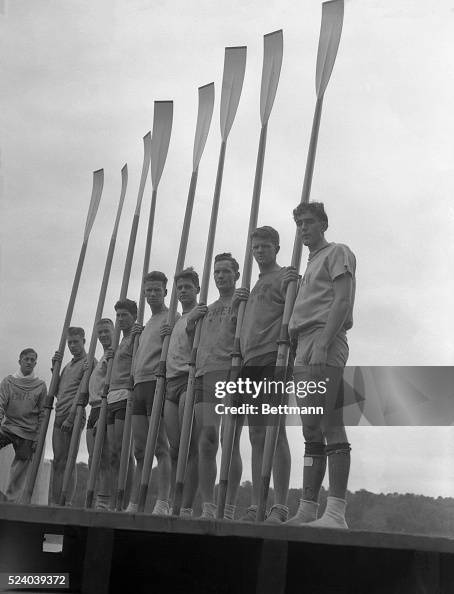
pixel 132 508
pixel 278 514
pixel 161 508
pixel 250 515
pixel 209 511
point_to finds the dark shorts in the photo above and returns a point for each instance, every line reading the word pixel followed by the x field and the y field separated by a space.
pixel 143 398
pixel 175 387
pixel 205 386
pixel 23 448
pixel 263 369
pixel 93 416
pixel 116 410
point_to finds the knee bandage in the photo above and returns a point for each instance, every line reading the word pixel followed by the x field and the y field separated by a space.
pixel 338 448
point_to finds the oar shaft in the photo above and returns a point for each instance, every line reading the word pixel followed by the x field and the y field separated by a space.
pixel 158 402
pixel 83 387
pixel 272 431
pixel 231 423
pixel 127 429
pixel 34 466
pixel 213 223
pixel 188 414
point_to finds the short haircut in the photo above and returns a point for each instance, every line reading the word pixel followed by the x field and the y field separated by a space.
pixel 266 232
pixel 127 304
pixel 229 258
pixel 76 331
pixel 27 352
pixel 315 208
pixel 189 273
pixel 105 321
pixel 156 275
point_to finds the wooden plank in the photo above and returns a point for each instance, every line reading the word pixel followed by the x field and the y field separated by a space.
pixel 97 561
pixel 272 567
pixel 145 522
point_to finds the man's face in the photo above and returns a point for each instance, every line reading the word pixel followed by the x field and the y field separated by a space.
pixel 125 319
pixel 186 291
pixel 76 345
pixel 105 334
pixel 154 293
pixel 264 251
pixel 224 275
pixel 310 228
pixel 27 363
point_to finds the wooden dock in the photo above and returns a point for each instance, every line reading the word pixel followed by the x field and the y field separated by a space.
pixel 117 552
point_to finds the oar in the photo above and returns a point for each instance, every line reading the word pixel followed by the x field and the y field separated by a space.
pixel 232 83
pixel 101 425
pixel 272 62
pixel 160 140
pixel 98 182
pixel 330 33
pixel 82 399
pixel 205 112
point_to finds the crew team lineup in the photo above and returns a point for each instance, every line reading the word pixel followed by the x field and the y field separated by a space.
pixel 320 318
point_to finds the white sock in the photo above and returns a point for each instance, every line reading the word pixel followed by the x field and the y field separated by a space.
pixel 229 511
pixel 209 510
pixel 307 512
pixel 132 508
pixel 186 511
pixel 334 516
pixel 161 508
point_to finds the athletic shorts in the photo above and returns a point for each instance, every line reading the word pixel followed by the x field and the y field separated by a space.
pixel 143 398
pixel 331 394
pixel 205 386
pixel 337 352
pixel 175 387
pixel 116 410
pixel 262 369
pixel 23 448
pixel 93 416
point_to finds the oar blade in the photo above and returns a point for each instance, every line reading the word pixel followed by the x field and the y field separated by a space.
pixel 98 183
pixel 273 47
pixel 204 115
pixel 160 139
pixel 330 34
pixel 124 185
pixel 145 168
pixel 232 85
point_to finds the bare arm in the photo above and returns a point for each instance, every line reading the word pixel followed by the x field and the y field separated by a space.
pixel 4 399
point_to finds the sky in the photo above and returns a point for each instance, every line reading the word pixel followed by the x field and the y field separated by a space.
pixel 79 79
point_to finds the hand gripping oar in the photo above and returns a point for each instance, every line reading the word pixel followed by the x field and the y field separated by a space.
pixel 82 399
pixel 98 182
pixel 205 112
pixel 101 425
pixel 330 33
pixel 232 83
pixel 272 62
pixel 160 140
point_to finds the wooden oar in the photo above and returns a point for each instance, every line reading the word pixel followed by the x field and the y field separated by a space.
pixel 101 425
pixel 272 62
pixel 232 84
pixel 160 140
pixel 82 399
pixel 330 33
pixel 98 182
pixel 205 112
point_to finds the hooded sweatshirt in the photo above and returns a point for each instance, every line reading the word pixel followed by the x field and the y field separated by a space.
pixel 22 405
